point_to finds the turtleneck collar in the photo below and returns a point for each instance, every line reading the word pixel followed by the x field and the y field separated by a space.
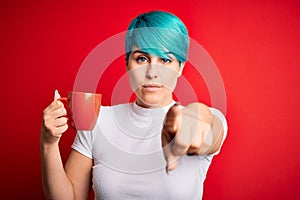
pixel 148 111
pixel 143 117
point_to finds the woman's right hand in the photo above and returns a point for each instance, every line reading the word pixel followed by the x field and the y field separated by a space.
pixel 54 121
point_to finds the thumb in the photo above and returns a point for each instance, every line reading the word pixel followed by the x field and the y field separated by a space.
pixel 56 95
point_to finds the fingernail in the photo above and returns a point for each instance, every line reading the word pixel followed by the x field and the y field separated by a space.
pixel 169 171
pixel 56 91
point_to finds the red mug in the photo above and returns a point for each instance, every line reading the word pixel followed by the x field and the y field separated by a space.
pixel 83 109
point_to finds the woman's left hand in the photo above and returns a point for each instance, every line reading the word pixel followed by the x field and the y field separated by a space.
pixel 187 130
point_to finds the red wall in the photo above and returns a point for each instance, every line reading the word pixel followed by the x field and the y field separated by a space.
pixel 255 46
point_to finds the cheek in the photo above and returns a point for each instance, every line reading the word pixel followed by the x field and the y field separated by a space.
pixel 136 77
pixel 168 77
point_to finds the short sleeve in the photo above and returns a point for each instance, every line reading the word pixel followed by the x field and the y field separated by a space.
pixel 220 115
pixel 83 143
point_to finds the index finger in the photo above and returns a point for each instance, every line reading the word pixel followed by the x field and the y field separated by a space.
pixel 170 158
pixel 54 105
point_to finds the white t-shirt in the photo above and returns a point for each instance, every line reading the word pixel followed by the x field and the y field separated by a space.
pixel 128 158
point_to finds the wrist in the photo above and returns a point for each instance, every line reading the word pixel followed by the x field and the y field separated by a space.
pixel 47 141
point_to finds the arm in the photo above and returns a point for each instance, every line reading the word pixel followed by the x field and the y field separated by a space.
pixel 190 130
pixel 73 181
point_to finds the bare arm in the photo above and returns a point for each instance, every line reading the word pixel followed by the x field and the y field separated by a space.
pixel 78 168
pixel 59 182
pixel 56 183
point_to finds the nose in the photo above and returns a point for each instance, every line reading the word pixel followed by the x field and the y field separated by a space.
pixel 151 72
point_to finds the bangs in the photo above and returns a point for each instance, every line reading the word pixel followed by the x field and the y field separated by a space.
pixel 158 41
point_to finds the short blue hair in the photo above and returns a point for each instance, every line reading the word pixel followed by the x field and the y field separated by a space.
pixel 158 32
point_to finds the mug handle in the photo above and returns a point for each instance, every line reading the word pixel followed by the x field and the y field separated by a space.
pixel 63 99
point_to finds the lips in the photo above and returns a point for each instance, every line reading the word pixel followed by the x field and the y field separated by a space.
pixel 152 86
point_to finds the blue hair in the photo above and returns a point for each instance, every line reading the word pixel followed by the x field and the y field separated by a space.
pixel 158 33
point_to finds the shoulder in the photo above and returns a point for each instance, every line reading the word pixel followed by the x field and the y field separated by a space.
pixel 221 116
pixel 110 112
pixel 108 109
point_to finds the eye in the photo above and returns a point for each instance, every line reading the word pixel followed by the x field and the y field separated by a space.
pixel 166 60
pixel 141 59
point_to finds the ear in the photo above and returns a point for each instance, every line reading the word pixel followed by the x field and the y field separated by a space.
pixel 181 66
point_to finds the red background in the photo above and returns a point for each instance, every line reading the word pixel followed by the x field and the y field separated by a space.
pixel 255 45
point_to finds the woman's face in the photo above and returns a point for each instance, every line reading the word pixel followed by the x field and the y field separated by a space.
pixel 152 78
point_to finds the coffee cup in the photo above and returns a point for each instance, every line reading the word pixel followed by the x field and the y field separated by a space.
pixel 83 109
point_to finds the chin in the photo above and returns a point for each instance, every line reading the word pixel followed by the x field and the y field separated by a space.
pixel 153 102
pixel 149 104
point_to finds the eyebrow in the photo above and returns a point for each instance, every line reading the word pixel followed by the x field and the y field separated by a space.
pixel 139 51
pixel 142 52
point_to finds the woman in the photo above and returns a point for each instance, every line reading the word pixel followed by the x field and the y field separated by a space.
pixel 153 148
